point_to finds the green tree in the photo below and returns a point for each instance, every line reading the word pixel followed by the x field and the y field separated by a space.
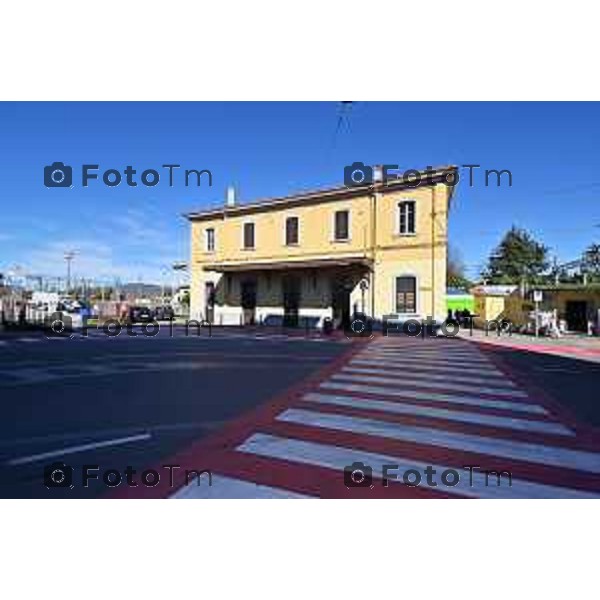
pixel 518 259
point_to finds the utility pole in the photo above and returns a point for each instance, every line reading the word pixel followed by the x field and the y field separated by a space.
pixel 69 256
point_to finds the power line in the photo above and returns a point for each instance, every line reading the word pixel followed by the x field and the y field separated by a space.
pixel 344 110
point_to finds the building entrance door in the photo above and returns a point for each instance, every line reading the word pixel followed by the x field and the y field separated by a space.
pixel 249 301
pixel 340 302
pixel 209 295
pixel 291 301
pixel 576 314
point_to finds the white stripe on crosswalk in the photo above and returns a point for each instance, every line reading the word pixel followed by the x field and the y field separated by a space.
pixel 533 453
pixel 440 413
pixel 336 457
pixel 407 379
pixel 434 396
pixel 355 367
pixel 424 348
pixel 429 353
pixel 476 358
pixel 441 368
pixel 228 487
pixel 428 360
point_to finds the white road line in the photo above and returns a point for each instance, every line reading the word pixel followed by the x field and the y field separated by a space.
pixel 450 377
pixel 407 379
pixel 335 457
pixel 23 460
pixel 228 487
pixel 440 413
pixel 435 397
pixel 440 368
pixel 28 340
pixel 450 440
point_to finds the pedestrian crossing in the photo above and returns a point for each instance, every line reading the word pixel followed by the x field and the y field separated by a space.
pixel 414 404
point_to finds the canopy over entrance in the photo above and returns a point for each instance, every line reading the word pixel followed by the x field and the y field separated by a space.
pixel 319 263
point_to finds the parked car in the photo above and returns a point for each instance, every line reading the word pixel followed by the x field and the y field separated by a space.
pixel 140 314
pixel 164 312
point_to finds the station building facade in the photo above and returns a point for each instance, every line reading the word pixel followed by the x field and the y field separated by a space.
pixel 378 249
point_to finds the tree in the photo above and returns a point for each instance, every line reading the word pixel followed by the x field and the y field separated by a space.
pixel 591 260
pixel 518 259
pixel 455 271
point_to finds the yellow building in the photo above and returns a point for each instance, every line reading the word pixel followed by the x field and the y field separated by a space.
pixel 491 303
pixel 378 249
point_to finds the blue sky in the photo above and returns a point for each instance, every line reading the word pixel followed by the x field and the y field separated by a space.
pixel 270 149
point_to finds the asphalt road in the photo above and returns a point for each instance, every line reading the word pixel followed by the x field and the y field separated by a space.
pixel 134 402
pixel 572 382
pixel 131 402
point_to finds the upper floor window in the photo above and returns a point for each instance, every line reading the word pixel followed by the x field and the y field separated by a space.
pixel 342 225
pixel 248 236
pixel 210 240
pixel 406 294
pixel 291 231
pixel 406 217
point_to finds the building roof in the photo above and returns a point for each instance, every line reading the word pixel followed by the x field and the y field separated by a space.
pixel 436 175
pixel 574 287
pixel 494 290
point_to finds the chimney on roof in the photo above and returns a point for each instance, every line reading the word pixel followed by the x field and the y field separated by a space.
pixel 377 173
pixel 230 198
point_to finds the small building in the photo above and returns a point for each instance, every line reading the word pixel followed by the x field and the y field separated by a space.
pixel 577 305
pixel 378 249
pixel 490 302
